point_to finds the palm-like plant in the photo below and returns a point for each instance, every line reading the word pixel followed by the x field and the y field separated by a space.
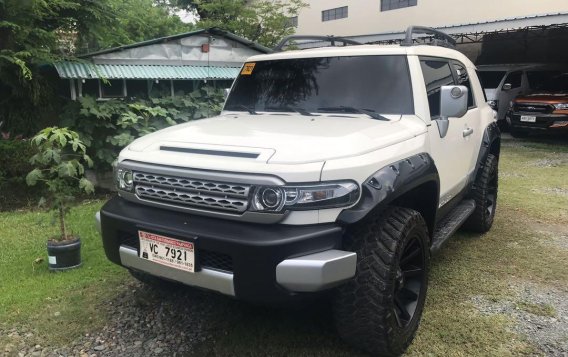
pixel 60 166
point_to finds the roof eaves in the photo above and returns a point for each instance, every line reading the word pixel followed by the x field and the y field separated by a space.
pixel 211 30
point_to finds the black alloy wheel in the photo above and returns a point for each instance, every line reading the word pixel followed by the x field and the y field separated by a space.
pixel 408 282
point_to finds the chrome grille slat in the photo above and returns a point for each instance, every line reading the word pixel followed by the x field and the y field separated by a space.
pixel 191 198
pixel 192 193
pixel 192 184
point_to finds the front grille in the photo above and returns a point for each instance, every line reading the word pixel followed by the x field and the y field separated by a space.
pixel 533 108
pixel 188 192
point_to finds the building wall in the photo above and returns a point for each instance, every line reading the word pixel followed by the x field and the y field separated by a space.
pixel 365 16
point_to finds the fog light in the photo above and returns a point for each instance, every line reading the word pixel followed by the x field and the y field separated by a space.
pixel 124 180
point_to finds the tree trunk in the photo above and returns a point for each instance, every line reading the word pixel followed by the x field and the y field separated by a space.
pixel 62 223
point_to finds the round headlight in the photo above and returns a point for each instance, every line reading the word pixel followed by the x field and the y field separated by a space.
pixel 271 197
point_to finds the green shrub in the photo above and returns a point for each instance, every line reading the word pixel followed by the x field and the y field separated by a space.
pixel 14 165
pixel 15 158
pixel 106 127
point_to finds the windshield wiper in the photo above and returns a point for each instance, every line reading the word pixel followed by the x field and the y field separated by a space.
pixel 302 111
pixel 242 106
pixel 344 108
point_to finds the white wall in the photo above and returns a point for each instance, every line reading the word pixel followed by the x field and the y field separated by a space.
pixel 365 16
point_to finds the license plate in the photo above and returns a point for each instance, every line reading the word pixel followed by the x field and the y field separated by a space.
pixel 528 118
pixel 167 251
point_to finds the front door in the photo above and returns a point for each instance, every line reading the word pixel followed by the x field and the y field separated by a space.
pixel 452 153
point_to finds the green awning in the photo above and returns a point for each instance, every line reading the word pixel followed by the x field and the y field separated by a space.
pixel 143 71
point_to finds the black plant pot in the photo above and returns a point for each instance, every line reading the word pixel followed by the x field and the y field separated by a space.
pixel 64 255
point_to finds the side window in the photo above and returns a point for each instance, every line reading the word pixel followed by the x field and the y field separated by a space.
pixel 437 73
pixel 462 79
pixel 515 79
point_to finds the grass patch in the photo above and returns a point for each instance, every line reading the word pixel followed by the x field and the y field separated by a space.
pixel 545 310
pixel 58 307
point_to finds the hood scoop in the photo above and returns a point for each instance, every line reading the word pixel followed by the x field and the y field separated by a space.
pixel 243 155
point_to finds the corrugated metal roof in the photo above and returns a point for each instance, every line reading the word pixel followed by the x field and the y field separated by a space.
pixel 143 71
pixel 476 27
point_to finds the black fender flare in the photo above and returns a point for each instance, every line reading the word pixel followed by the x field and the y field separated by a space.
pixel 390 183
pixel 490 143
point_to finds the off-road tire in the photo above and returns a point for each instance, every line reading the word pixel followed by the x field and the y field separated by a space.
pixel 484 193
pixel 364 309
pixel 153 281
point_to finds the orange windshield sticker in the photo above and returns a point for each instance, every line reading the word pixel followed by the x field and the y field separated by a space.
pixel 247 69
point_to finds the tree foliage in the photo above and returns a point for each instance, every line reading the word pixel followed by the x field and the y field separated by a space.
pixel 262 21
pixel 36 33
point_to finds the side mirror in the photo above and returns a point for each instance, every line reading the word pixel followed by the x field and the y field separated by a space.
pixel 453 104
pixel 507 86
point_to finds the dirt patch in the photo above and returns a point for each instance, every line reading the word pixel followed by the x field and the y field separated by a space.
pixel 550 162
pixel 539 313
pixel 555 191
pixel 552 234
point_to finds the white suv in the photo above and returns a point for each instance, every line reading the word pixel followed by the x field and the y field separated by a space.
pixel 331 172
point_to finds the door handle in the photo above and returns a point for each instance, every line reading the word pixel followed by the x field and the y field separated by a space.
pixel 467 132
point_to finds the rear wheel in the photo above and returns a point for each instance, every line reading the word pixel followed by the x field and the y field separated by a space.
pixel 380 309
pixel 484 193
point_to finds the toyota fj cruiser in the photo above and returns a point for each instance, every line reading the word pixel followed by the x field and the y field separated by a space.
pixel 333 171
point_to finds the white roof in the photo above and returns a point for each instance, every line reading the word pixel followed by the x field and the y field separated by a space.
pixel 367 50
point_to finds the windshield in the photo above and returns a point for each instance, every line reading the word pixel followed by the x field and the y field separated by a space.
pixel 491 79
pixel 378 84
pixel 549 81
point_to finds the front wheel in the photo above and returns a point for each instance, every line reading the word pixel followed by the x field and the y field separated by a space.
pixel 380 309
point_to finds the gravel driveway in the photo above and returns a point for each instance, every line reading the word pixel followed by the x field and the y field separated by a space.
pixel 143 322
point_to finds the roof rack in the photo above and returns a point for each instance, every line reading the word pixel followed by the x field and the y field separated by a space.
pixel 438 37
pixel 332 39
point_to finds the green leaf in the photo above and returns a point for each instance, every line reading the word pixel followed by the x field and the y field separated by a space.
pixel 86 185
pixel 33 177
pixel 66 169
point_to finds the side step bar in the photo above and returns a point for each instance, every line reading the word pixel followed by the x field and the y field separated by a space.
pixel 451 223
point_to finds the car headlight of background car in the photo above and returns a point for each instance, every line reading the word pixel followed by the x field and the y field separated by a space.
pixel 561 106
pixel 494 104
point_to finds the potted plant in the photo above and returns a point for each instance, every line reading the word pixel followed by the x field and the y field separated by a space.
pixel 60 166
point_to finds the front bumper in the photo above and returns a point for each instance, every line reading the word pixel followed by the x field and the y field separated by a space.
pixel 254 262
pixel 544 122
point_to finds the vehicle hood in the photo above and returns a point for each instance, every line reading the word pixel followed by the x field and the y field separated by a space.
pixel 491 93
pixel 543 97
pixel 281 138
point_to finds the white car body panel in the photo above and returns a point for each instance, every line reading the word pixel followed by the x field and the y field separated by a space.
pixel 326 147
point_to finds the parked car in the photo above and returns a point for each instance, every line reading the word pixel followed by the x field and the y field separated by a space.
pixel 544 110
pixel 502 83
pixel 331 172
